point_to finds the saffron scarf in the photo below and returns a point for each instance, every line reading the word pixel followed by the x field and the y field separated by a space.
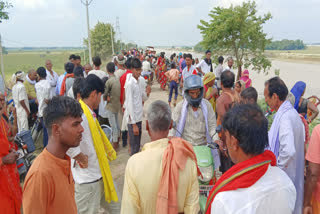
pixel 105 152
pixel 174 159
pixel 273 134
pixel 242 175
pixel 63 85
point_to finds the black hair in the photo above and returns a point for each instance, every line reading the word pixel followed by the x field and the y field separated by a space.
pixel 249 126
pixel 41 71
pixel 278 87
pixel 72 56
pixel 77 57
pixel 78 71
pixel 173 65
pixel 111 67
pixel 104 80
pixel 68 67
pixel 220 59
pixel 128 62
pixel 250 93
pixel 208 51
pixel 58 109
pixel 91 83
pixel 136 63
pixel 18 72
pixel 188 56
pixel 77 86
pixel 96 61
pixel 184 55
pixel 227 79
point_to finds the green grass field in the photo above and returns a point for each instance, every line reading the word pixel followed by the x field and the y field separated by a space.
pixel 24 61
pixel 311 53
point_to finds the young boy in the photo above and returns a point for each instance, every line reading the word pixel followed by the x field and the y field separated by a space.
pixel 112 96
pixel 43 96
pixel 134 93
pixel 173 76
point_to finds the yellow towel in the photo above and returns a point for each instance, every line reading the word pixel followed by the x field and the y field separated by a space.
pixel 105 152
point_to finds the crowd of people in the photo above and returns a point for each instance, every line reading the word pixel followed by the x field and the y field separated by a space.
pixel 264 170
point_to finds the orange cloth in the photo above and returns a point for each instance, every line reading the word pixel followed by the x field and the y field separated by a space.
pixel 63 85
pixel 174 159
pixel 10 190
pixel 49 186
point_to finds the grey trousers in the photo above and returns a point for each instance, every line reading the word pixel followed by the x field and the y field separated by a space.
pixel 114 123
pixel 90 198
pixel 135 140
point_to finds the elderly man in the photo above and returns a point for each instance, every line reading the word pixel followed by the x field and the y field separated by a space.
pixel 254 184
pixel 87 69
pixel 120 63
pixel 149 194
pixel 194 116
pixel 29 84
pixel 286 136
pixel 229 64
pixel 52 77
pixel 21 102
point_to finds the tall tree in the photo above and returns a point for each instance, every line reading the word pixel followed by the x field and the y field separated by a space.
pixel 3 14
pixel 101 40
pixel 237 31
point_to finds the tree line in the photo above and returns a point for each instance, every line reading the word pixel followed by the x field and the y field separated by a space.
pixel 286 44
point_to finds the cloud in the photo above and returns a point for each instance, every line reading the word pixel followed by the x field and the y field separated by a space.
pixel 29 4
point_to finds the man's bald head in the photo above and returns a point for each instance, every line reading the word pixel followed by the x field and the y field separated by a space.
pixel 87 68
pixel 49 65
pixel 32 74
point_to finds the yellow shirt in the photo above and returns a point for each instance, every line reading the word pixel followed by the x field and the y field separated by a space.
pixel 142 178
pixel 30 89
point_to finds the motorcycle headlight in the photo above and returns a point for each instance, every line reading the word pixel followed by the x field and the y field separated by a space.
pixel 207 173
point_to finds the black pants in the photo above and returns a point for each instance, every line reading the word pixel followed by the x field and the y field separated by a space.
pixel 134 140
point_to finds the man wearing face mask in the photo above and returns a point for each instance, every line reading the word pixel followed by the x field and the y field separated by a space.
pixel 194 116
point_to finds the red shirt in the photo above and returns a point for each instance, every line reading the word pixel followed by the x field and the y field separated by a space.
pixel 122 82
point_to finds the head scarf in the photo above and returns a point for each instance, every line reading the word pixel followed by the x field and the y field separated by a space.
pixel 208 77
pixel 121 62
pixel 245 78
pixel 297 90
pixel 17 76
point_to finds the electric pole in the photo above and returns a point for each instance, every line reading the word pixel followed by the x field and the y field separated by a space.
pixel 87 3
pixel 3 84
pixel 111 27
pixel 118 32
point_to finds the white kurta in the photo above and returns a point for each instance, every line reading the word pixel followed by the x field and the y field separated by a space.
pixel 291 152
pixel 43 93
pixel 53 79
pixel 18 94
pixel 273 193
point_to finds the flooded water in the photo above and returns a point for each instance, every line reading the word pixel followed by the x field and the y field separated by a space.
pixel 290 72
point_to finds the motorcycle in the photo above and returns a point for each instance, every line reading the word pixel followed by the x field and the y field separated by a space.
pixel 208 161
pixel 26 147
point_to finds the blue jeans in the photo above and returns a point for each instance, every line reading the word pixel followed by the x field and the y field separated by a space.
pixel 173 85
pixel 45 133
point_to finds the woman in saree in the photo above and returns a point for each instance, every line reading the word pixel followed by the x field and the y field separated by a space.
pixel 302 105
pixel 246 79
pixel 211 93
pixel 162 76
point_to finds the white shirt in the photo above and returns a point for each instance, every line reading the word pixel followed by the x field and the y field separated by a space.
pixel 291 152
pixel 43 93
pixel 228 68
pixel 134 96
pixel 18 94
pixel 205 68
pixel 92 173
pixel 146 66
pixel 273 193
pixel 99 73
pixel 70 93
pixel 188 72
pixel 53 79
pixel 218 71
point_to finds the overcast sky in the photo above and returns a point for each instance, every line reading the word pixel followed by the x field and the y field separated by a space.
pixel 146 22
